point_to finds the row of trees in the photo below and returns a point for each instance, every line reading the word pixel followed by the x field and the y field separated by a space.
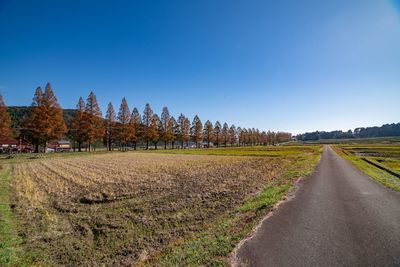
pixel 385 130
pixel 124 129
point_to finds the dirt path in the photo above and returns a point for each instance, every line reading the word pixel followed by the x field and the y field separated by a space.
pixel 339 217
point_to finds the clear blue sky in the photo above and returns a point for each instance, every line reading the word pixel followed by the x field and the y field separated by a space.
pixel 279 65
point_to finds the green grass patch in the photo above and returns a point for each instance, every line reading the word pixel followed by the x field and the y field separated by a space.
pixel 9 240
pixel 379 175
pixel 269 151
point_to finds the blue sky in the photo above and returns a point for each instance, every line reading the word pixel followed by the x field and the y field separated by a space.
pixel 280 65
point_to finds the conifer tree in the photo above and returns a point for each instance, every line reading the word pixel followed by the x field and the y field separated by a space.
pixel 33 124
pixel 181 127
pixel 136 122
pixel 232 135
pixel 243 136
pixel 197 130
pixel 45 120
pixel 173 131
pixel 5 120
pixel 56 127
pixel 111 125
pixel 165 117
pixel 147 119
pixel 93 127
pixel 154 130
pixel 124 124
pixel 186 131
pixel 240 136
pixel 208 132
pixel 78 124
pixel 217 133
pixel 225 133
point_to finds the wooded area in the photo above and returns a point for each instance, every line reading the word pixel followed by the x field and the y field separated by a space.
pixel 385 130
pixel 45 121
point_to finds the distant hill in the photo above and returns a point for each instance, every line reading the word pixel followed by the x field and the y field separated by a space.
pixel 18 114
pixel 385 130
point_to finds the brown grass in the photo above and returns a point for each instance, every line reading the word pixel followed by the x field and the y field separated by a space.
pixel 118 209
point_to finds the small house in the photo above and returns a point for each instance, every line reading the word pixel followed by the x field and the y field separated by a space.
pixel 59 146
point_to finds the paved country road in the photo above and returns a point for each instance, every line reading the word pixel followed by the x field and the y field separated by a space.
pixel 339 217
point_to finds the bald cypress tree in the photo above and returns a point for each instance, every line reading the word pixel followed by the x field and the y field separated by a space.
pixel 78 125
pixel 111 121
pixel 181 127
pixel 217 133
pixel 5 120
pixel 172 131
pixel 55 124
pixel 136 122
pixel 197 130
pixel 225 133
pixel 232 135
pixel 208 132
pixel 45 120
pixel 146 121
pixel 165 117
pixel 93 126
pixel 155 129
pixel 34 122
pixel 124 123
pixel 186 131
pixel 240 135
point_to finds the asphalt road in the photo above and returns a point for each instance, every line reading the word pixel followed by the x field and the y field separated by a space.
pixel 339 217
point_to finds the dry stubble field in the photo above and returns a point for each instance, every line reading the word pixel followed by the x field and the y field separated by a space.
pixel 134 208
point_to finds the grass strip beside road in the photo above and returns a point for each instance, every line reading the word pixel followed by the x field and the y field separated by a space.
pixel 379 175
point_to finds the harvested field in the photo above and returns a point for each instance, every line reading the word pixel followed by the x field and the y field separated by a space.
pixel 380 161
pixel 122 208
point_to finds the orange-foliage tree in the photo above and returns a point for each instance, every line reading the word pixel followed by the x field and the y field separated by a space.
pixel 78 124
pixel 225 133
pixel 208 133
pixel 93 121
pixel 172 131
pixel 197 130
pixel 45 121
pixel 5 120
pixel 155 129
pixel 125 127
pixel 136 122
pixel 232 135
pixel 217 133
pixel 111 126
pixel 165 117
pixel 146 123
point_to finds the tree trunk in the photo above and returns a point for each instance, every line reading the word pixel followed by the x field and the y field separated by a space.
pixel 147 144
pixel 79 146
pixel 155 145
pixel 165 144
pixel 36 148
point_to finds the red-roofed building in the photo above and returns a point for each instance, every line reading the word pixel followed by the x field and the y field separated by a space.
pixel 11 145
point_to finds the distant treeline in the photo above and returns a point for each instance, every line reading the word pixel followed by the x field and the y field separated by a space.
pixel 385 130
pixel 45 121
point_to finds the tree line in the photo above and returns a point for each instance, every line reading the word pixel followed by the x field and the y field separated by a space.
pixel 385 130
pixel 125 129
